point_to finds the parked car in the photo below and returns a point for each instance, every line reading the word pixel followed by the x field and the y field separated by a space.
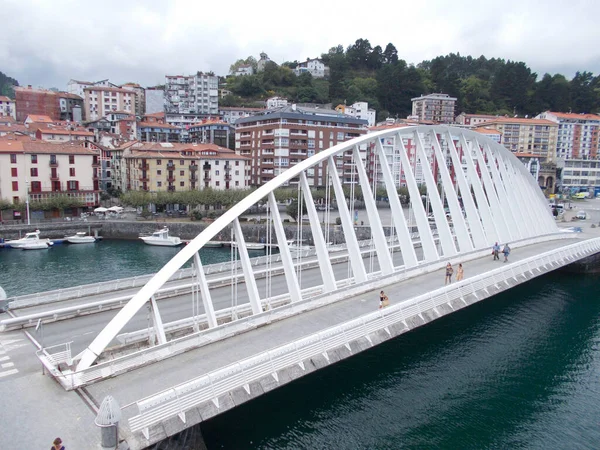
pixel 581 215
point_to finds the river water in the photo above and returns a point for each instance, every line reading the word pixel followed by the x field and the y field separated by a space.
pixel 520 370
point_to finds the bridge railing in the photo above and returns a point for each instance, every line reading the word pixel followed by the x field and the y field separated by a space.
pixel 176 401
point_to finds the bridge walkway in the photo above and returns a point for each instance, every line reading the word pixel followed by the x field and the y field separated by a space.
pixel 135 385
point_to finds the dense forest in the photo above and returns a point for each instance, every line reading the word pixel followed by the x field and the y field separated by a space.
pixel 378 75
pixel 6 85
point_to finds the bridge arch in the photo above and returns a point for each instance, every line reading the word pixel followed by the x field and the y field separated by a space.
pixel 490 197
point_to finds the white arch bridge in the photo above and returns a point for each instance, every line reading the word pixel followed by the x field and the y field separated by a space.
pixel 478 193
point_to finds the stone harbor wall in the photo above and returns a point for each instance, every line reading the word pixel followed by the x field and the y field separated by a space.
pixel 122 229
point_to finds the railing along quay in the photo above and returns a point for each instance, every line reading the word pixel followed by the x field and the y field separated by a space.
pixel 179 399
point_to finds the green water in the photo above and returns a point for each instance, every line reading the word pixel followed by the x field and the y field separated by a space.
pixel 29 271
pixel 518 371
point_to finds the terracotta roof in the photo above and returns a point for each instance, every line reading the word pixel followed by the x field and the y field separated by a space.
pixel 65 132
pixel 519 120
pixel 69 95
pixel 163 150
pixel 27 145
pixel 210 122
pixel 39 118
pixel 490 116
pixel 574 116
pixel 157 125
pixel 388 126
pixel 5 99
pixel 13 128
pixel 7 119
pixel 106 88
pixel 487 131
pixel 158 114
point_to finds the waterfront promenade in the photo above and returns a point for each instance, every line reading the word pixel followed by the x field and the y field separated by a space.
pixel 32 398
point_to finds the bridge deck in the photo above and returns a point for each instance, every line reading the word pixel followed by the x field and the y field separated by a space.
pixel 29 398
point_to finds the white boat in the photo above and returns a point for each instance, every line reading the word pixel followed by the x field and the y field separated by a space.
pixel 295 245
pixel 214 244
pixel 29 238
pixel 252 245
pixel 41 244
pixel 162 238
pixel 80 238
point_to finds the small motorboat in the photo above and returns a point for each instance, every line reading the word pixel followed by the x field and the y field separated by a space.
pixel 295 245
pixel 214 244
pixel 162 238
pixel 27 239
pixel 80 238
pixel 40 244
pixel 252 245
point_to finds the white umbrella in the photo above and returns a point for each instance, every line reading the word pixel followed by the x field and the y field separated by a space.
pixel 101 209
pixel 116 209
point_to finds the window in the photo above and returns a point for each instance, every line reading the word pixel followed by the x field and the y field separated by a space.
pixel 237 183
pixel 13 158
pixel 33 171
pixel 216 163
pixel 34 159
pixel 13 172
pixel 217 183
pixel 340 136
pixel 159 172
pixel 237 163
pixel 71 159
pixel 181 173
pixel 36 186
pixel 158 162
pixel 158 183
pixel 72 185
pixel 182 183
pixel 15 185
pixel 237 172
pixel 216 172
pixel 182 163
pixel 16 200
pixel 71 171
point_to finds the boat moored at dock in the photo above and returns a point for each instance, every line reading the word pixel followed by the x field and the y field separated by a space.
pixel 162 238
pixel 80 238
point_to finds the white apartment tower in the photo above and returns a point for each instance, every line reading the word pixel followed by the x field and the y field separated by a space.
pixel 193 94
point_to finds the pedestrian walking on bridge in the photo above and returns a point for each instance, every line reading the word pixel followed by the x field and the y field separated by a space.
pixel 506 252
pixel 460 273
pixel 496 251
pixel 449 272
pixel 57 444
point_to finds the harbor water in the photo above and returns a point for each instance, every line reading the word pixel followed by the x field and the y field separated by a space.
pixel 520 370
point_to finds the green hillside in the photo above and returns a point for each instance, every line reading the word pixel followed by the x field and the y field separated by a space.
pixel 6 85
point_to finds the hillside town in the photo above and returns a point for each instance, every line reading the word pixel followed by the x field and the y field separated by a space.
pixel 98 139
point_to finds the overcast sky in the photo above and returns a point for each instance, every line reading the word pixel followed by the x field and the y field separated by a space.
pixel 47 42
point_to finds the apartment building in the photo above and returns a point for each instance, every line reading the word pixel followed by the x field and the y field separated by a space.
pixel 211 132
pixel 140 97
pixel 155 100
pixel 7 107
pixel 192 94
pixel 56 105
pixel 277 139
pixel 315 67
pixel 276 102
pixel 61 133
pixel 158 132
pixel 535 137
pixel 231 114
pixel 473 119
pixel 360 110
pixel 43 169
pixel 159 167
pixel 77 87
pixel 99 101
pixel 437 108
pixel 580 175
pixel 577 134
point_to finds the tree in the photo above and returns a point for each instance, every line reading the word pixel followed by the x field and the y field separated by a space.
pixel 7 85
pixel 390 54
pixel 358 53
pixel 292 209
pixel 583 97
pixel 250 60
pixel 376 59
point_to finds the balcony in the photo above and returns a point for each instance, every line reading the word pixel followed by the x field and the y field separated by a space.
pixel 53 163
pixel 171 188
pixel 193 178
pixel 206 178
pixel 170 166
pixel 54 177
pixel 227 177
pixel 144 167
pixel 171 178
pixel 95 163
pixel 144 178
pixel 193 167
